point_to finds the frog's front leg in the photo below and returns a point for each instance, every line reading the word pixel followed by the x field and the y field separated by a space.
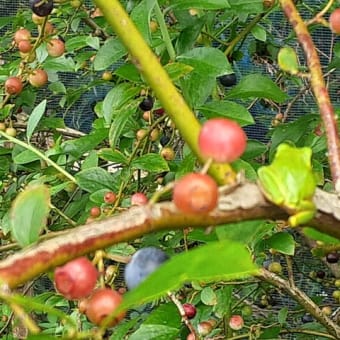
pixel 304 214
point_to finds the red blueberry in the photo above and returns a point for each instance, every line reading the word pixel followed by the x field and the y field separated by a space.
pixel 236 322
pixel 139 198
pixel 204 328
pixel 191 336
pixel 76 279
pixel 95 212
pixel 195 193
pixel 222 139
pixel 38 78
pixel 22 34
pixel 190 310
pixel 13 85
pixel 334 21
pixel 55 48
pixel 24 46
pixel 110 197
pixel 102 303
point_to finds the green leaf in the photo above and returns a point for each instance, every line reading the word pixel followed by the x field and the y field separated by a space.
pixel 224 260
pixel 227 109
pixel 254 149
pixel 27 156
pixel 150 162
pixel 259 86
pixel 186 165
pixel 294 132
pixel 94 179
pixel 288 60
pixel 200 4
pixel 282 317
pixel 57 87
pixel 61 64
pixel 247 232
pixel 29 213
pixel 114 156
pixel 270 333
pixel 259 33
pixel 246 7
pixel 52 123
pixel 246 167
pixel 91 161
pixel 197 88
pixel 123 328
pixel 116 99
pixel 177 70
pixel 166 314
pixel 282 242
pixel 188 36
pixel 208 63
pixel 77 147
pixel 93 42
pixel 128 72
pixel 140 15
pixel 76 43
pixel 108 54
pixel 156 332
pixel 121 118
pixel 34 118
pixel 207 59
pixel 208 296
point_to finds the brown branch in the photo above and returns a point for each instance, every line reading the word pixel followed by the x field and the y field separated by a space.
pixel 319 88
pixel 246 202
pixel 299 296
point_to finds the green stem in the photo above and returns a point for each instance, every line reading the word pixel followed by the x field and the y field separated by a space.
pixel 243 34
pixel 40 154
pixel 165 33
pixel 172 101
pixel 65 217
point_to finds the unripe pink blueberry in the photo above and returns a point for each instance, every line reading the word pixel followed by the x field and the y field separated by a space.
pixel 139 198
pixel 76 279
pixel 236 322
pixel 222 139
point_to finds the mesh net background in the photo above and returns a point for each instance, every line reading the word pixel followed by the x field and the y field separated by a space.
pixel 80 117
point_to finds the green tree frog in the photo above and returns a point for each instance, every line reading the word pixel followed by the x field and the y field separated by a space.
pixel 290 183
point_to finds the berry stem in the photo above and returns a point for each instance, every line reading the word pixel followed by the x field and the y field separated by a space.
pixel 172 101
pixel 319 88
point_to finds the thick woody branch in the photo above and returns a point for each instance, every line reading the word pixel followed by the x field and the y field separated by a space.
pixel 246 202
pixel 319 88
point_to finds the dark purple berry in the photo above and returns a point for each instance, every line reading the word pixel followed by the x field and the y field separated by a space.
pixel 320 274
pixel 190 310
pixel 164 140
pixel 228 79
pixel 332 257
pixel 306 318
pixel 146 104
pixel 41 8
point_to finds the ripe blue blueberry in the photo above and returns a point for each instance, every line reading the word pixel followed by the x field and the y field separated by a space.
pixel 142 264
